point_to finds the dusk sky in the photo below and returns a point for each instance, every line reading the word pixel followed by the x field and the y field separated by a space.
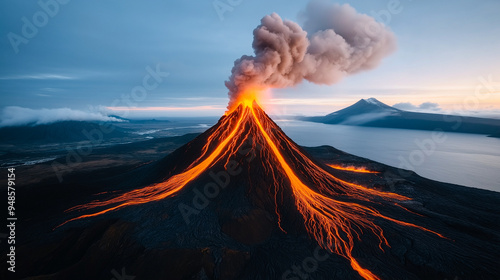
pixel 88 55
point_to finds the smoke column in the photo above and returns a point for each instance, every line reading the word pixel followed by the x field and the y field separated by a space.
pixel 335 41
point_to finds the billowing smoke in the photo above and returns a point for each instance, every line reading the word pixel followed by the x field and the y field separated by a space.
pixel 335 41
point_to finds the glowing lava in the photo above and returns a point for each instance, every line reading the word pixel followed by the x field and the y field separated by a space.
pixel 333 222
pixel 330 207
pixel 351 168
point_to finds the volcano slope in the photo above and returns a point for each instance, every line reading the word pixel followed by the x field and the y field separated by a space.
pixel 243 201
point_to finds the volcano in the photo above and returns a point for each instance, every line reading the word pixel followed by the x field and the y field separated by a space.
pixel 243 201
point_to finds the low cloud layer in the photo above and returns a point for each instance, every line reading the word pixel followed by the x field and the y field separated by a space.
pixel 19 116
pixel 425 107
pixel 365 118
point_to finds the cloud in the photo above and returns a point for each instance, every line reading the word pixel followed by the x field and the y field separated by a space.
pixel 18 116
pixel 191 108
pixel 38 77
pixel 43 95
pixel 364 118
pixel 335 41
pixel 429 106
pixel 426 106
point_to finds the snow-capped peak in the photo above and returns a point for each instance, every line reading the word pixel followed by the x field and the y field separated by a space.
pixel 374 101
pixel 379 104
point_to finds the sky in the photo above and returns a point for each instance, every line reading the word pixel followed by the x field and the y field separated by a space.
pixel 171 58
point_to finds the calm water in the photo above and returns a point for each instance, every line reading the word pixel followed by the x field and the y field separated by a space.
pixel 464 159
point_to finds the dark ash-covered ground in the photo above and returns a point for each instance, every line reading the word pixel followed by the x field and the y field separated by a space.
pixel 234 237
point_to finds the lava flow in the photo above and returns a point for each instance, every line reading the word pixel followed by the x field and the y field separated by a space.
pixel 351 168
pixel 333 210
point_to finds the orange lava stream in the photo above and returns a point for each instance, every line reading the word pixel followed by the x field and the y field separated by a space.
pixel 324 217
pixel 161 190
pixel 352 169
pixel 334 223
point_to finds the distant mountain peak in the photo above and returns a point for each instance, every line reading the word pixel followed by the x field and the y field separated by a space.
pixel 371 112
pixel 374 101
pixel 363 106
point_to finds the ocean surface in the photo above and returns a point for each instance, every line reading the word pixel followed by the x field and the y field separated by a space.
pixel 465 159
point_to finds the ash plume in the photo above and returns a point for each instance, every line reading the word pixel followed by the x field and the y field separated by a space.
pixel 335 41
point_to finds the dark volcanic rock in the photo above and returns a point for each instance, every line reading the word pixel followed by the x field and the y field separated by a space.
pixel 253 228
pixel 237 234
